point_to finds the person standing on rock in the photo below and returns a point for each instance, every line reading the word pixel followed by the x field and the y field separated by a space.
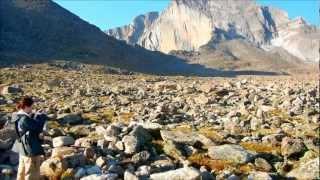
pixel 28 126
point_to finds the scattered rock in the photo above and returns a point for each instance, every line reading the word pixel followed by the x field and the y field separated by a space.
pixel 290 146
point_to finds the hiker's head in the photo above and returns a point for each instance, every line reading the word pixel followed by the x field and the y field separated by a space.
pixel 25 104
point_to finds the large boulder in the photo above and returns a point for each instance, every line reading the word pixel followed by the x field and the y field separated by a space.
pixel 142 134
pixel 62 141
pixel 189 138
pixel 136 140
pixel 186 173
pixel 70 118
pixel 230 152
pixel 309 170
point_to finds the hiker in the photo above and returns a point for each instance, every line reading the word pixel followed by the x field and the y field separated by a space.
pixel 28 127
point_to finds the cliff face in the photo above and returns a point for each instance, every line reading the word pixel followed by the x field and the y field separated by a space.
pixel 189 24
pixel 132 32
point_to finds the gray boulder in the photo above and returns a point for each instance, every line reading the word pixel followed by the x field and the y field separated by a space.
pixel 71 118
pixel 62 141
pixel 189 138
pixel 234 153
pixel 186 173
pixel 259 176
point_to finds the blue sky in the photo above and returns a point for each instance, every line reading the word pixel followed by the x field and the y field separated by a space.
pixel 113 13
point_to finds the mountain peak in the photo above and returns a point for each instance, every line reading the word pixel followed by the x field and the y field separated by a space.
pixel 189 24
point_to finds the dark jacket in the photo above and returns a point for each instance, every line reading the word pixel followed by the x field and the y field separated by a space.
pixel 28 129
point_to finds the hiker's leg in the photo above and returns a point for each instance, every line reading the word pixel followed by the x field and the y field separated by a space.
pixel 21 168
pixel 32 167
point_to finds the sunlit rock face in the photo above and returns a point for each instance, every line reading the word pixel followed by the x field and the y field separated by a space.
pixel 132 32
pixel 189 24
pixel 300 39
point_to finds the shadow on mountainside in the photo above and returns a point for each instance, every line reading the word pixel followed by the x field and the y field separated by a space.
pixel 174 67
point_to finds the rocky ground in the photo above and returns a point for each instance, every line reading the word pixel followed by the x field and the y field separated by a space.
pixel 113 126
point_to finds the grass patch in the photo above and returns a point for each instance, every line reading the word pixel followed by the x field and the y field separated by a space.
pixel 261 148
pixel 124 117
pixel 201 159
pixel 92 117
pixel 183 128
pixel 211 134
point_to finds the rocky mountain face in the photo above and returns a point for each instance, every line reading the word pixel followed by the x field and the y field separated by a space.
pixel 34 31
pixel 131 33
pixel 189 24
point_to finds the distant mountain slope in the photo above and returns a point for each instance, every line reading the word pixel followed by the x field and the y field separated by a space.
pixel 189 24
pixel 242 55
pixel 42 30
